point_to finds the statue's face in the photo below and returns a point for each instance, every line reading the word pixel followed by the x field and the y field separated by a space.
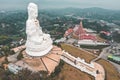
pixel 32 11
pixel 35 13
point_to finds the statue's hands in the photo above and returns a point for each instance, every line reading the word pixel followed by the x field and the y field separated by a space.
pixel 31 32
pixel 39 42
pixel 40 34
pixel 46 36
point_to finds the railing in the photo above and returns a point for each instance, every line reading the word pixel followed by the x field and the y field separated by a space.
pixel 79 63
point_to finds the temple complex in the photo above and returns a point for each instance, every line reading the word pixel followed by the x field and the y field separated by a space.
pixel 80 32
pixel 83 36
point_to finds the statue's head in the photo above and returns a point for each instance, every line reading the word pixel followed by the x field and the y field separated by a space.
pixel 32 11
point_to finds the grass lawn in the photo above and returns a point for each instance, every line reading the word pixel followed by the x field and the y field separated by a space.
pixel 70 73
pixel 77 52
pixel 100 39
pixel 93 47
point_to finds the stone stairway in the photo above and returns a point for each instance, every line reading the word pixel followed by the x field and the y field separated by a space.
pixel 94 69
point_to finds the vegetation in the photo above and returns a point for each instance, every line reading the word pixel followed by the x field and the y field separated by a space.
pixel 93 46
pixel 23 75
pixel 115 36
pixel 26 74
pixel 100 39
pixel 57 69
pixel 95 26
pixel 20 55
pixel 5 51
pixel 70 73
pixel 77 52
pixel 5 39
pixel 13 22
pixel 11 52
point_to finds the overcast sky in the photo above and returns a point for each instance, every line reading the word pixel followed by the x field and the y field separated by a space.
pixel 22 4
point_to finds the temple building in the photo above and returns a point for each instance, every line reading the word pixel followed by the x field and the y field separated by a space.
pixel 68 32
pixel 81 33
pixel 84 36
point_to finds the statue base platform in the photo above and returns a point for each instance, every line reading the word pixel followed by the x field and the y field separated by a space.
pixel 43 63
pixel 37 54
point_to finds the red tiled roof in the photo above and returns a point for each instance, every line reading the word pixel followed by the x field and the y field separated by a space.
pixel 68 32
pixel 87 36
pixel 80 32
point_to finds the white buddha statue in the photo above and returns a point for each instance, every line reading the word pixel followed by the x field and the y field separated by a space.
pixel 38 43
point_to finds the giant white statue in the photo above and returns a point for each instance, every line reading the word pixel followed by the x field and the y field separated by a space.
pixel 38 43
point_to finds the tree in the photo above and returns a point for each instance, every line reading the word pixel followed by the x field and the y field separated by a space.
pixel 20 56
pixel 57 69
pixel 11 52
pixel 26 74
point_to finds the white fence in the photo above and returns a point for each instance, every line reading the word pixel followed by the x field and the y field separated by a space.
pixel 79 63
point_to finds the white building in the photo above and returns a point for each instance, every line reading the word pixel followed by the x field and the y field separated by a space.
pixel 14 68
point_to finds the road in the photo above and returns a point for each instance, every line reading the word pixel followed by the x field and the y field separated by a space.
pixel 104 54
pixel 117 66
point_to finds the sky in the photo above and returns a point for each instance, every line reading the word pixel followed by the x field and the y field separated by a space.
pixel 47 4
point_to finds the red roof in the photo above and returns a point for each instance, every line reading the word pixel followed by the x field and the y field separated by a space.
pixel 68 32
pixel 87 36
pixel 79 31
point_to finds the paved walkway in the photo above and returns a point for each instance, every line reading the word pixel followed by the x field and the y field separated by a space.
pixel 45 63
pixel 18 48
pixel 13 58
pixel 100 71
